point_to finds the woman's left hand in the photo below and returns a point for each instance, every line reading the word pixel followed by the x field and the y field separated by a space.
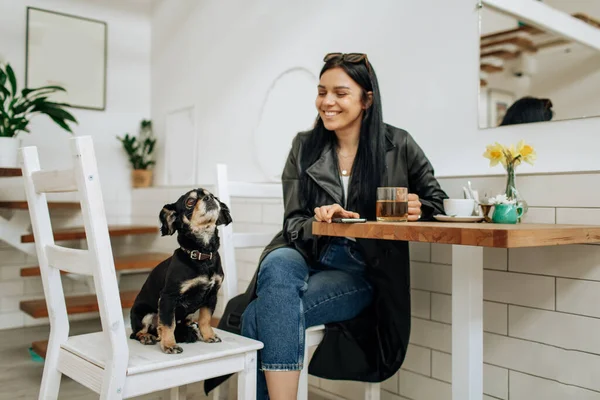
pixel 414 207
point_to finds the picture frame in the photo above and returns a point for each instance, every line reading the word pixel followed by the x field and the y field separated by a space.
pixel 498 103
pixel 68 51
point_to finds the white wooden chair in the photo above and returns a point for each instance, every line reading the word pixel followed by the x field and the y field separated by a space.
pixel 230 241
pixel 108 362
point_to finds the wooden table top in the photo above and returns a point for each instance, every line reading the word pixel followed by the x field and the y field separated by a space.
pixel 471 234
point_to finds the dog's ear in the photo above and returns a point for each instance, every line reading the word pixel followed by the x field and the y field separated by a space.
pixel 167 216
pixel 224 214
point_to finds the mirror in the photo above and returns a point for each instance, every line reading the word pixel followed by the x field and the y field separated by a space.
pixel 528 74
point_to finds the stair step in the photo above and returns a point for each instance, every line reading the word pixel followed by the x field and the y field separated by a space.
pixel 79 233
pixel 53 205
pixel 10 172
pixel 40 347
pixel 122 263
pixel 75 304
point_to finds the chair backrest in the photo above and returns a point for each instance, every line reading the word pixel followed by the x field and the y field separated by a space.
pixel 229 240
pixel 97 261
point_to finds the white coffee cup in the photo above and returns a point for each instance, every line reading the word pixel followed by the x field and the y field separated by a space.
pixel 459 207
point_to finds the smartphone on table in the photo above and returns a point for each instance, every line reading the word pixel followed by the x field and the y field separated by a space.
pixel 348 220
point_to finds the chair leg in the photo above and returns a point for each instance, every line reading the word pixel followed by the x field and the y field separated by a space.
pixel 216 392
pixel 303 382
pixel 51 376
pixel 247 378
pixel 221 392
pixel 372 391
pixel 179 393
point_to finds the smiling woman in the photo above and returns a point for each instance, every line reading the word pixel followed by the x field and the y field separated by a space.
pixel 333 171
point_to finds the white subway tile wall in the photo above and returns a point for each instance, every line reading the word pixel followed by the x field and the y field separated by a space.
pixel 541 309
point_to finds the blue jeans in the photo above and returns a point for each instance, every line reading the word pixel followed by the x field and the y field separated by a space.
pixel 292 296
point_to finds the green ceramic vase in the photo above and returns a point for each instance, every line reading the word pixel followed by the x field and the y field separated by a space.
pixel 507 213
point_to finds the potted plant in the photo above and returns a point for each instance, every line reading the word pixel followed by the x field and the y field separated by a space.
pixel 18 108
pixel 140 152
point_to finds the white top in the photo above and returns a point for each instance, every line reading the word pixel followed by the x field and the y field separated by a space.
pixel 345 180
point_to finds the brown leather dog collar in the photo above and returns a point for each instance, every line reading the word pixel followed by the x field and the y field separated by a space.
pixel 196 255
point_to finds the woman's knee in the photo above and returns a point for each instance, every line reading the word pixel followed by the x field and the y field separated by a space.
pixel 283 266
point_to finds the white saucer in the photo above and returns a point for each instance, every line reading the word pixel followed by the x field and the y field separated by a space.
pixel 446 218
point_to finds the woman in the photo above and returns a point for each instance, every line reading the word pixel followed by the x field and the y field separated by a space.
pixel 528 109
pixel 359 288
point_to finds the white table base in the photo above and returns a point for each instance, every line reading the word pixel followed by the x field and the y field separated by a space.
pixel 467 322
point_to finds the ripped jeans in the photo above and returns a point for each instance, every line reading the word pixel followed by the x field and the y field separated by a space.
pixel 292 296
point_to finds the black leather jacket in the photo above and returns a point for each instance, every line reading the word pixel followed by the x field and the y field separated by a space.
pixel 372 346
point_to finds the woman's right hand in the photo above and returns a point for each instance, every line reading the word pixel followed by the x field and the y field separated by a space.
pixel 326 213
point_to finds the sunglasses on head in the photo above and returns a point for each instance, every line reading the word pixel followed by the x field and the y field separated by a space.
pixel 354 58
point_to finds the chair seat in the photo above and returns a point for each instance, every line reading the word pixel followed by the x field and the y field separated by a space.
pixel 314 335
pixel 93 347
pixel 315 328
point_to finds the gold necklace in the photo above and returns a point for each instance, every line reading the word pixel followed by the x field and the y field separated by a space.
pixel 345 171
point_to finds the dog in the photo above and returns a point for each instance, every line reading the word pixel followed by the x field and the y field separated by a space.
pixel 187 282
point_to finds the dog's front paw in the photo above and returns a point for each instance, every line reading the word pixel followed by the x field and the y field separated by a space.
pixel 147 338
pixel 214 339
pixel 171 349
pixel 211 339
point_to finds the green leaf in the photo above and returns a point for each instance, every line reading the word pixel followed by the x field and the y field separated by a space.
pixel 12 78
pixel 4 91
pixel 26 104
pixel 51 110
pixel 61 123
pixel 27 91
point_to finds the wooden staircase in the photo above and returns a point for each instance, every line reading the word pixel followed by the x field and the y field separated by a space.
pixel 79 233
pixel 52 205
pixel 8 172
pixel 85 303
pixel 128 263
pixel 499 47
pixel 75 304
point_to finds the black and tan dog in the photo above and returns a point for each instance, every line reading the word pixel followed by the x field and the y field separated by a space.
pixel 188 281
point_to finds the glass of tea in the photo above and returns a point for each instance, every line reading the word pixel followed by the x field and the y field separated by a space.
pixel 392 204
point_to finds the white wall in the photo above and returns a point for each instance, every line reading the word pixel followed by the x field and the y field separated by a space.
pixel 223 59
pixel 128 92
pixel 128 101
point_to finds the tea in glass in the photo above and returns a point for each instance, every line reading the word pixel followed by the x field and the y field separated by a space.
pixel 392 204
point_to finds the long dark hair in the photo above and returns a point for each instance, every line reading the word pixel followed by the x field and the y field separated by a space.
pixel 528 109
pixel 368 169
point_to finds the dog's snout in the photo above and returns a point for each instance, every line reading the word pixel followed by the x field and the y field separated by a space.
pixel 208 197
pixel 209 201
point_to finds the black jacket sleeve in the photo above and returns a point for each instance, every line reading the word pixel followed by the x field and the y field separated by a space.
pixel 297 220
pixel 423 182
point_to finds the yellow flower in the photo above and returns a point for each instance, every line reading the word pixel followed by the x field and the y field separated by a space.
pixel 510 156
pixel 496 154
pixel 527 152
